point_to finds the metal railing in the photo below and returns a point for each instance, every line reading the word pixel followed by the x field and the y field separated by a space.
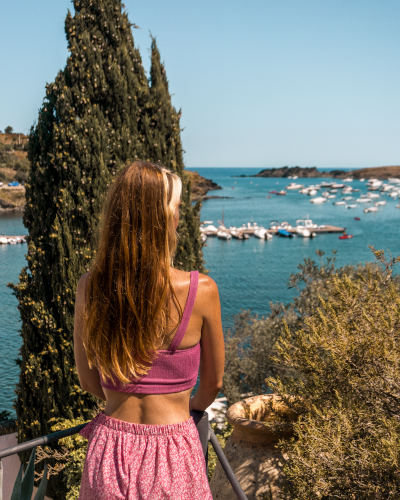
pixel 200 418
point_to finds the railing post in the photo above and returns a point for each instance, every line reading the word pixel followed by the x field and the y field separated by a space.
pixel 201 420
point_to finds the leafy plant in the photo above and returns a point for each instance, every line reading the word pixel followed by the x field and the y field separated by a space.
pixel 343 382
pixel 222 436
pixel 23 486
pixel 251 342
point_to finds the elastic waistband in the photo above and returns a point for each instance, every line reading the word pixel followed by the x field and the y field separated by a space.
pixel 143 429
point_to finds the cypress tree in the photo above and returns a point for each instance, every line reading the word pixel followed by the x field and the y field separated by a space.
pixel 92 121
pixel 161 128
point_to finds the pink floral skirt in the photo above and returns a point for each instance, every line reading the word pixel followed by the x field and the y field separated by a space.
pixel 146 462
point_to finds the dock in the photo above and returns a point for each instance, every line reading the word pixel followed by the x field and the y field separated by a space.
pixel 12 240
pixel 323 228
pixel 320 229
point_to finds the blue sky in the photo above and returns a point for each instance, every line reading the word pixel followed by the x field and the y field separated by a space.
pixel 261 83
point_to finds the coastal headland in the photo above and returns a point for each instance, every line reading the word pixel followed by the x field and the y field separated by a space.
pixel 382 173
pixel 12 199
pixel 201 186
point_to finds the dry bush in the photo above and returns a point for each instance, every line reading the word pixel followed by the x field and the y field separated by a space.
pixel 251 342
pixel 344 384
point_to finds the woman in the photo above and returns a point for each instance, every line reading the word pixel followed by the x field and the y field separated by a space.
pixel 142 328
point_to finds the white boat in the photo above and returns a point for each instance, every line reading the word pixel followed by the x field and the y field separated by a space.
pixel 394 179
pixel 339 203
pixel 203 237
pixel 319 200
pixel 305 233
pixel 209 229
pixel 260 233
pixel 12 241
pixel 354 205
pixel 373 195
pixel 333 191
pixel 347 198
pixel 337 186
pixel 380 203
pixel 363 200
pixel 370 209
pixel 325 195
pixel 3 241
pixel 362 180
pixel 312 192
pixel 331 196
pixel 303 224
pixel 393 194
pixel 348 179
pixel 293 185
pixel 207 222
pixel 224 235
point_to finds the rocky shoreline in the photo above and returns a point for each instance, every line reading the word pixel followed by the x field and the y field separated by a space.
pixel 13 199
pixel 382 173
pixel 201 186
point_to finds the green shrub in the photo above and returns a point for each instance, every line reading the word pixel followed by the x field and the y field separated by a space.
pixel 4 177
pixel 21 176
pixel 250 343
pixel 343 380
pixel 222 436
pixel 69 457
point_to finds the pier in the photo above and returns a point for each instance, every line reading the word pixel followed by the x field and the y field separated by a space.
pixel 11 240
pixel 251 228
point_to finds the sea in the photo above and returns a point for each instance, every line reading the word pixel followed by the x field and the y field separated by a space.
pixel 250 274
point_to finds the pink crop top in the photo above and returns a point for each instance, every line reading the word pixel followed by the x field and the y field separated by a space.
pixel 172 370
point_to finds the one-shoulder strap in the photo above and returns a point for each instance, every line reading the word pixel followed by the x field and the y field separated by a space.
pixel 187 312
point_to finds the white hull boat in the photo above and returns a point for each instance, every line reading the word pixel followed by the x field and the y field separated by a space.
pixel 223 235
pixel 370 209
pixel 319 200
pixel 339 203
pixel 293 185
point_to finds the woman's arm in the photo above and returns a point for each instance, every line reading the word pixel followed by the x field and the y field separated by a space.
pixel 212 346
pixel 89 377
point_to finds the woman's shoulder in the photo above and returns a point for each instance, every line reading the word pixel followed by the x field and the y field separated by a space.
pixel 206 283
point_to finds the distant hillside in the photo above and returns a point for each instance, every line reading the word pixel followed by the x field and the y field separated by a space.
pixel 382 173
pixel 312 172
pixel 14 164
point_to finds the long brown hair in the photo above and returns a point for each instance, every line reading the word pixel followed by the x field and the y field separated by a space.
pixel 129 289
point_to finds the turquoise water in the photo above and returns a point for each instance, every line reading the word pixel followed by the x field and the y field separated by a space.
pixel 249 273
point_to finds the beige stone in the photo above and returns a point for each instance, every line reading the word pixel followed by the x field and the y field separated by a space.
pixel 251 451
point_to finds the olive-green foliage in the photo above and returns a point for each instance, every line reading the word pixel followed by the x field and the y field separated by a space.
pixel 5 178
pixel 76 446
pixel 90 124
pixel 222 436
pixel 250 343
pixel 344 383
pixel 160 127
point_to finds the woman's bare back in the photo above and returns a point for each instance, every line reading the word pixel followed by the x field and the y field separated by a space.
pixel 205 326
